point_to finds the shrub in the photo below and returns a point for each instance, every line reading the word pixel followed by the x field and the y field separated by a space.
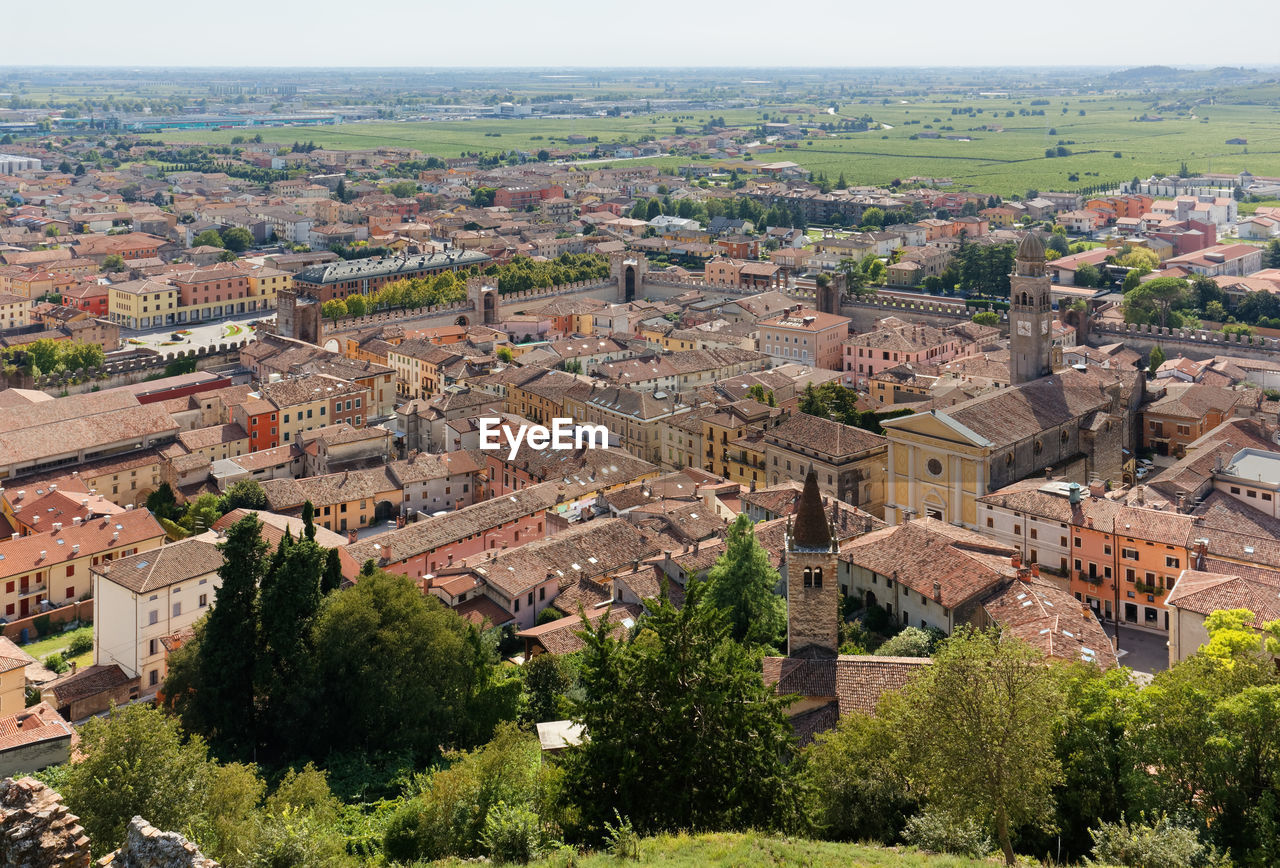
pixel 42 625
pixel 81 643
pixel 1138 845
pixel 512 834
pixel 621 839
pixel 942 832
pixel 911 642
pixel 56 662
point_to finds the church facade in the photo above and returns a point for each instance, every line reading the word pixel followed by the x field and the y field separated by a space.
pixel 1073 423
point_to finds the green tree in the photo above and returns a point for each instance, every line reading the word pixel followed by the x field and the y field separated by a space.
pixel 446 814
pixel 855 788
pixel 990 691
pixel 211 678
pixel 504 355
pixel 390 668
pixel 716 738
pixel 403 189
pixel 288 602
pixel 1095 747
pixel 162 502
pixel 1088 275
pixel 986 317
pixel 911 642
pixel 208 238
pixel 237 239
pixel 113 262
pixel 742 584
pixel 1273 253
pixel 356 305
pixel 135 762
pixel 334 309
pixel 1154 361
pixel 1157 301
pixel 243 494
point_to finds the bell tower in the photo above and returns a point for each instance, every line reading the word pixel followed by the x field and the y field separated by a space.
pixel 813 579
pixel 1030 313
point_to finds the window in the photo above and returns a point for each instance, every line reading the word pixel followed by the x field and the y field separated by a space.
pixel 177 609
pixel 204 600
pixel 154 678
pixel 517 606
pixel 153 617
pixel 1106 550
pixel 1077 541
pixel 71 591
pixel 153 647
pixel 542 594
pixel 1172 562
pixel 1033 533
pixel 71 570
pixel 991 522
pixel 1017 528
pixel 1129 554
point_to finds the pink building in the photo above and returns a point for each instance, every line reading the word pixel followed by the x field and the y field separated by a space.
pixel 804 336
pixel 893 344
pixel 437 543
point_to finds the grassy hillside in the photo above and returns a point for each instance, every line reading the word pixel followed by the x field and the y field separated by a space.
pixel 725 850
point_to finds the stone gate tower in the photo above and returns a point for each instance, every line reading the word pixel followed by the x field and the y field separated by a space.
pixel 485 300
pixel 629 271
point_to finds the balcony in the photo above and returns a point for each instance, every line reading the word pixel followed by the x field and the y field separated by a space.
pixel 31 591
pixel 1085 577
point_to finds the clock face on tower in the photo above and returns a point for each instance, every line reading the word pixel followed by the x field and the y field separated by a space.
pixel 1044 326
pixel 1024 328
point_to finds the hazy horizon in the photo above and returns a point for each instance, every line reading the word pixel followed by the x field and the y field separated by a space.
pixel 824 34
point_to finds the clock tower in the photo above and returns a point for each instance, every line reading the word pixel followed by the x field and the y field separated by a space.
pixel 1030 313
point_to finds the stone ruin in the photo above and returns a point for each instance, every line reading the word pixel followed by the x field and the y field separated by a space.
pixel 37 831
pixel 147 847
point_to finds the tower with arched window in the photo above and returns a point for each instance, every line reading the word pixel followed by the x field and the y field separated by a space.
pixel 813 581
pixel 1030 313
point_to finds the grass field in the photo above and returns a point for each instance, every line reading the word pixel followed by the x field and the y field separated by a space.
pixel 1005 162
pixel 60 642
pixel 733 850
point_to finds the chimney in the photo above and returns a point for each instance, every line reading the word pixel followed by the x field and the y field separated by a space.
pixel 937 591
pixel 352 536
pixel 1202 551
pixel 1035 570
pixel 74 667
pixel 1097 488
pixel 1182 502
pixel 1016 560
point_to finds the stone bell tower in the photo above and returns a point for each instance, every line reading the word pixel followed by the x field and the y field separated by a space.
pixel 1030 313
pixel 813 580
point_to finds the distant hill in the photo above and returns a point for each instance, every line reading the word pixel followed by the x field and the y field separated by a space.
pixel 1172 75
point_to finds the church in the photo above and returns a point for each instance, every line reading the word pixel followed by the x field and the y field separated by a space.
pixel 1071 422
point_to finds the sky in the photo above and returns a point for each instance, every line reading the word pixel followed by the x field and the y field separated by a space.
pixel 684 33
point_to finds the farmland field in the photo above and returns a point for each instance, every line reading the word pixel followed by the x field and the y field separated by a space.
pixel 1006 161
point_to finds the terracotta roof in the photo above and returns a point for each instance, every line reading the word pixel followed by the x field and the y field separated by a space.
pixel 12 657
pixel 1204 592
pixel 33 725
pixel 87 682
pixel 159 568
pixel 480 610
pixel 329 490
pixel 1050 620
pixel 431 533
pixel 926 551
pixel 50 547
pixel 589 549
pixel 823 436
pixel 562 635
